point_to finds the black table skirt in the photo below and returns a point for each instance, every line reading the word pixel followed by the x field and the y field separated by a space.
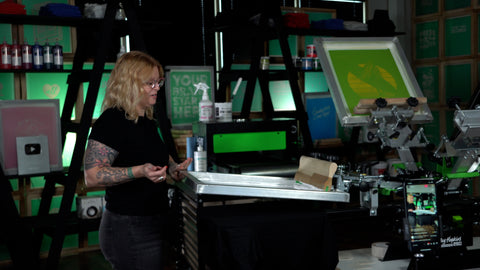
pixel 274 235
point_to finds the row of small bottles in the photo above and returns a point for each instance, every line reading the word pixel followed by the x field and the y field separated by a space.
pixel 29 57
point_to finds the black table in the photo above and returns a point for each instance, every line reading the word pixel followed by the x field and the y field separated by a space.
pixel 275 235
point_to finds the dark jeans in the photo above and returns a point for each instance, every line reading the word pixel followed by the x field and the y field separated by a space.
pixel 133 242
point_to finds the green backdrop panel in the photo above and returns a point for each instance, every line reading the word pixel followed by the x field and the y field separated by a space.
pixel 47 86
pixel 315 82
pixel 50 34
pixel 428 78
pixel 458 36
pixel 456 4
pixel 237 100
pixel 14 184
pixel 426 40
pixel 42 33
pixel 458 81
pixel 101 91
pixel 7 86
pixel 6 30
pixel 424 7
pixel 54 207
pixel 282 98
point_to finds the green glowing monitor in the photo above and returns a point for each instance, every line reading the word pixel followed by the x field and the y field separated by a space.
pixel 249 141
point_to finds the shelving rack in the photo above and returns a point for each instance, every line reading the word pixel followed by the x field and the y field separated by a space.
pixel 65 222
pixel 271 26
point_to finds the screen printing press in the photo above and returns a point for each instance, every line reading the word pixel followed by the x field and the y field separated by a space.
pixel 373 87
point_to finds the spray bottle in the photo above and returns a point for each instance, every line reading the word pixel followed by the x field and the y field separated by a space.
pixel 206 112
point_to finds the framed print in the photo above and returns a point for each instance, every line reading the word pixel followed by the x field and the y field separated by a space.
pixel 182 101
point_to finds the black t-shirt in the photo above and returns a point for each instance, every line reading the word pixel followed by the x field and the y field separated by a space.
pixel 136 144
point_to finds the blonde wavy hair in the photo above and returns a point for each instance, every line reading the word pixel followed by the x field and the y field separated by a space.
pixel 125 85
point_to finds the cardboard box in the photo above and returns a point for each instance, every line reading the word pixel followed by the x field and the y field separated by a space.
pixel 316 172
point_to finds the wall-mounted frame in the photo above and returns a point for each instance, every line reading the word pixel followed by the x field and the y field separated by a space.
pixel 367 68
pixel 322 118
pixel 428 77
pixel 426 7
pixel 458 36
pixel 27 118
pixel 427 37
pixel 182 102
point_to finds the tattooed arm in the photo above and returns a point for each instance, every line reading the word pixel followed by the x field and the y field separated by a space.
pixel 98 168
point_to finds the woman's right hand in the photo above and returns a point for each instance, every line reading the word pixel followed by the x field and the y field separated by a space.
pixel 156 174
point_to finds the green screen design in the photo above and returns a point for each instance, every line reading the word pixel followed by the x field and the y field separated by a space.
pixel 249 141
pixel 428 79
pixel 367 74
pixel 427 40
pixel 458 36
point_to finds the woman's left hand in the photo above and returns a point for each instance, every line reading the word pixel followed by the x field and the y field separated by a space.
pixel 176 171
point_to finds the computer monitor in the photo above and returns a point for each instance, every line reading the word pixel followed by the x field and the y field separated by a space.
pixel 29 119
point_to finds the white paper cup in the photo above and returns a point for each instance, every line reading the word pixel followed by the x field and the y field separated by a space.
pixel 223 112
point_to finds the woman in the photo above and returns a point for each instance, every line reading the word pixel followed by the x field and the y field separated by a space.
pixel 126 154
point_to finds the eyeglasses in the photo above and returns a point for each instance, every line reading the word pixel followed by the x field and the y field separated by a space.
pixel 154 84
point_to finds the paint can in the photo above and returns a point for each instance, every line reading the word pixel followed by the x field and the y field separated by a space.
pixel 307 63
pixel 311 52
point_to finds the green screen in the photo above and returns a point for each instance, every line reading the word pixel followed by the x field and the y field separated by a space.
pixel 249 141
pixel 427 78
pixel 367 74
pixel 458 36
pixel 426 40
pixel 423 7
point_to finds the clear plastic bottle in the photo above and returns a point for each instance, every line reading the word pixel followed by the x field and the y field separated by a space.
pixel 200 159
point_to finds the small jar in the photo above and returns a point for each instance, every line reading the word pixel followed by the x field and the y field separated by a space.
pixel 264 62
pixel 307 63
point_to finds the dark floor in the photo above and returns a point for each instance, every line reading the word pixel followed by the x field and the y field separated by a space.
pixel 86 260
pixel 353 229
